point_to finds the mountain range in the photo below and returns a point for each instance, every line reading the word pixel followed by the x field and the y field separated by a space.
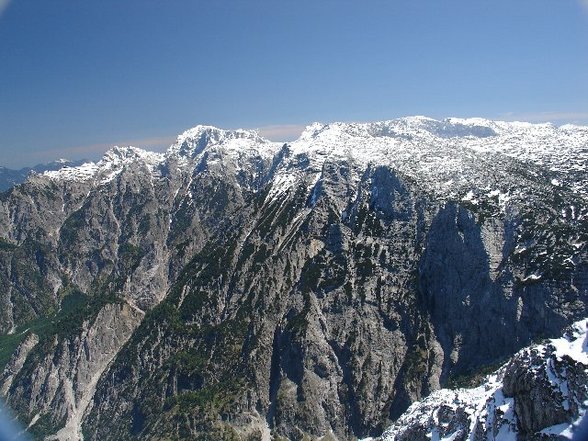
pixel 237 288
pixel 10 177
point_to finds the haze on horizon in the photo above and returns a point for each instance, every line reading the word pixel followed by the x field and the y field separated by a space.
pixel 77 78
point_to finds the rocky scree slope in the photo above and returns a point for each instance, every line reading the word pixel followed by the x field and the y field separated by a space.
pixel 236 288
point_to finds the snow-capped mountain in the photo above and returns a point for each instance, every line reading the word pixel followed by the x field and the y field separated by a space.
pixel 238 288
pixel 438 154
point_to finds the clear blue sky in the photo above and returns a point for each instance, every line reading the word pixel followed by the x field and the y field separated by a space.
pixel 78 76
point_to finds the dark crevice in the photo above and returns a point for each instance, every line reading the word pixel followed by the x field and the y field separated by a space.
pixel 353 412
pixel 274 381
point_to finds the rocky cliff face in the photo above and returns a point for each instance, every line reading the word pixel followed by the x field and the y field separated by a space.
pixel 540 394
pixel 235 288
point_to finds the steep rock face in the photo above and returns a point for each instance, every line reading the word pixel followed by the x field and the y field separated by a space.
pixel 474 288
pixel 17 361
pixel 288 303
pixel 540 394
pixel 330 300
pixel 309 289
pixel 56 383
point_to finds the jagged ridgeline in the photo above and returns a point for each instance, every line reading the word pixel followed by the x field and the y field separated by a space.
pixel 236 288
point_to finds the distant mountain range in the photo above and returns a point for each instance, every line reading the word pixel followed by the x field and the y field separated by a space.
pixel 10 177
pixel 234 288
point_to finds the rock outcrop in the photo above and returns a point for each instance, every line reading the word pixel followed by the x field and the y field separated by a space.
pixel 540 394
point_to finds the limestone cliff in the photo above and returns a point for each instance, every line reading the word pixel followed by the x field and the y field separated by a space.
pixel 235 288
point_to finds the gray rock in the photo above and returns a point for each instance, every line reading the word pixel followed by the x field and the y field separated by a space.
pixel 540 394
pixel 237 288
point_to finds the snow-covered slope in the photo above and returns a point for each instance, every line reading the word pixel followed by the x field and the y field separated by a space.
pixel 454 155
pixel 238 142
pixel 487 166
pixel 449 156
pixel 537 170
pixel 9 178
pixel 113 162
pixel 541 393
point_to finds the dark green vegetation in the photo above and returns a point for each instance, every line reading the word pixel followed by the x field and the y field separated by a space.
pixel 203 386
pixel 473 378
pixel 75 308
pixel 224 308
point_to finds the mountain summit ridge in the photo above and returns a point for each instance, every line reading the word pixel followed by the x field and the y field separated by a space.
pixel 401 142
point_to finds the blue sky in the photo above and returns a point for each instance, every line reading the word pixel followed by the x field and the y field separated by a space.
pixel 79 76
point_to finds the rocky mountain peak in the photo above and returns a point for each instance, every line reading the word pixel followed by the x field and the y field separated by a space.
pixel 118 154
pixel 111 164
pixel 119 157
pixel 193 141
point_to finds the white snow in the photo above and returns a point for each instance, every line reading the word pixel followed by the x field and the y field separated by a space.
pixel 282 184
pixel 487 405
pixel 575 345
pixel 564 430
pixel 113 163
pixel 469 196
pixel 82 172
pixel 237 142
pixel 532 278
pixel 441 155
pixel 447 156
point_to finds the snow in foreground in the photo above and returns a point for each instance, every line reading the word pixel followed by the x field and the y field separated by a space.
pixel 541 393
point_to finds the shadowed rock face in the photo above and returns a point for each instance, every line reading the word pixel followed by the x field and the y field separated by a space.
pixel 237 289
